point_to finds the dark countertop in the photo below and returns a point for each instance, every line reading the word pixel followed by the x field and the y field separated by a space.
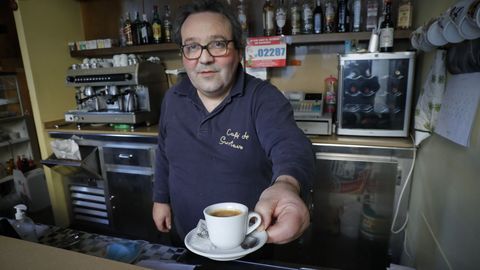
pixel 71 246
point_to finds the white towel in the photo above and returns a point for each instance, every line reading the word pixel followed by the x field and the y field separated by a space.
pixel 430 99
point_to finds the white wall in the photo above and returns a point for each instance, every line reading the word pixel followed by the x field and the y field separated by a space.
pixel 444 226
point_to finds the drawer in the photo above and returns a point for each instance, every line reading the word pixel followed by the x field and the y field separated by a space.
pixel 126 156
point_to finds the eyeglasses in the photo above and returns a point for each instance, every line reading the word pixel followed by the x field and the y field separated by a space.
pixel 215 48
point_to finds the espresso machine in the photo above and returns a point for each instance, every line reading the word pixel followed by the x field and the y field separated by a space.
pixel 130 94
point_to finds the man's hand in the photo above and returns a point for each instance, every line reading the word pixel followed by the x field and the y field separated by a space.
pixel 162 216
pixel 285 216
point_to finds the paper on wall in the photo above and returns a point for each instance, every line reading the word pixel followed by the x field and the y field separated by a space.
pixel 459 108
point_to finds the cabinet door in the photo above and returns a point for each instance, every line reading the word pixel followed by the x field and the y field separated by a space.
pixel 131 204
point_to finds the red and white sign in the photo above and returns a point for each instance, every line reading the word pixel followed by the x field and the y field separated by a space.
pixel 266 52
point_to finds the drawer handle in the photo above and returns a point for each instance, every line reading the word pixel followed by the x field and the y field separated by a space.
pixel 125 156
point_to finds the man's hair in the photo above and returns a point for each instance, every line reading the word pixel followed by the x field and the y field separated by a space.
pixel 208 6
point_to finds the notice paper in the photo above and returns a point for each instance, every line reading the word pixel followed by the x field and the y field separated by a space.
pixel 459 107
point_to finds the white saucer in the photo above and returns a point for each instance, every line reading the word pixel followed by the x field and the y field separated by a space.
pixel 204 247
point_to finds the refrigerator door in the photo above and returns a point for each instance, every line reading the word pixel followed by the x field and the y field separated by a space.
pixel 375 92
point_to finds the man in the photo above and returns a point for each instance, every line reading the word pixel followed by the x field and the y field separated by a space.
pixel 227 136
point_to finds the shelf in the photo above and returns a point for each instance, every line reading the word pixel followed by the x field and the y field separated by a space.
pixel 291 40
pixel 12 142
pixel 10 118
pixel 6 179
pixel 163 47
pixel 338 37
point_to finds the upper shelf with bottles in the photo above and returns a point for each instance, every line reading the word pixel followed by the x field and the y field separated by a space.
pixel 291 40
pixel 322 25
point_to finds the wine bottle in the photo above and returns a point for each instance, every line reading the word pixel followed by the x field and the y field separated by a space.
pixel 405 10
pixel 122 40
pixel 145 31
pixel 281 18
pixel 372 14
pixel 242 18
pixel 137 30
pixel 156 26
pixel 268 19
pixel 295 17
pixel 167 25
pixel 341 16
pixel 307 19
pixel 318 18
pixel 357 12
pixel 386 29
pixel 330 23
pixel 128 30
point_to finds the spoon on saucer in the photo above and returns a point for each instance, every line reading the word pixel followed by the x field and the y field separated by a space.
pixel 249 242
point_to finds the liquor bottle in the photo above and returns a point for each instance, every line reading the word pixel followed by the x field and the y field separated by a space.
pixel 386 29
pixel 372 14
pixel 156 26
pixel 167 25
pixel 145 30
pixel 330 22
pixel 281 18
pixel 122 40
pixel 405 10
pixel 268 19
pixel 295 17
pixel 137 30
pixel 318 18
pixel 356 15
pixel 342 16
pixel 242 18
pixel 128 30
pixel 307 19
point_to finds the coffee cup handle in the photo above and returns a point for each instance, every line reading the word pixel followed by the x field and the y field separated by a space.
pixel 258 221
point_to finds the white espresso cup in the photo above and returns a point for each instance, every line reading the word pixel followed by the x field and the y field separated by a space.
pixel 228 223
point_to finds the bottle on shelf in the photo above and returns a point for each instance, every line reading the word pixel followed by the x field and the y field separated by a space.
pixel 167 25
pixel 318 18
pixel 156 26
pixel 128 30
pixel 137 29
pixel 386 29
pixel 342 16
pixel 405 10
pixel 307 19
pixel 122 40
pixel 295 18
pixel 372 15
pixel 145 31
pixel 242 18
pixel 268 18
pixel 24 226
pixel 330 16
pixel 356 15
pixel 281 18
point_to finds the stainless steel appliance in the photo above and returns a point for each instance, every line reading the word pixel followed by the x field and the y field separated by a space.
pixel 110 188
pixel 127 95
pixel 375 94
pixel 356 192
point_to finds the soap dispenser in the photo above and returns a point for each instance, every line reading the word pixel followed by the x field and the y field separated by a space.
pixel 24 225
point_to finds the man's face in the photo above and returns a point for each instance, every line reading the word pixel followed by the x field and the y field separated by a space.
pixel 211 76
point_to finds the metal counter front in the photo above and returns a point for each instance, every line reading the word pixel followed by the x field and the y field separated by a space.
pixel 355 194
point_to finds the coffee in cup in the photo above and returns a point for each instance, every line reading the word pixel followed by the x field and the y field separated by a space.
pixel 228 223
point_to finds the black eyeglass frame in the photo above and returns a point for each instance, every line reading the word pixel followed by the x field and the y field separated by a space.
pixel 205 47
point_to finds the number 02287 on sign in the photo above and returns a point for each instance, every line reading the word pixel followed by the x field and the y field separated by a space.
pixel 265 52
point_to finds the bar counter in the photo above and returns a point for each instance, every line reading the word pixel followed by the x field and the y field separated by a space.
pixel 152 131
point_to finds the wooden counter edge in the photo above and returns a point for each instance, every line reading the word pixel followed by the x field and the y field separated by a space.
pixel 66 127
pixel 20 254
